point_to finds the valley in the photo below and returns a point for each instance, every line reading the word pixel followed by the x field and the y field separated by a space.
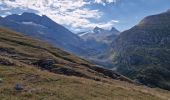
pixel 84 50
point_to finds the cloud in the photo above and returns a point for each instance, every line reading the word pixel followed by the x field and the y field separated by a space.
pixel 104 2
pixel 70 13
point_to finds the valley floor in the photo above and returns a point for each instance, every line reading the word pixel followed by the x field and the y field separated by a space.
pixel 43 85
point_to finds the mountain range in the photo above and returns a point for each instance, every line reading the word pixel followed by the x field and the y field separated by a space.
pixel 100 35
pixel 44 28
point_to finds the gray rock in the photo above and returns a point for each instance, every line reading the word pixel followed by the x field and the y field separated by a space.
pixel 19 87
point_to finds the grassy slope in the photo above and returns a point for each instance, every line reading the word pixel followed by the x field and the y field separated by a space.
pixel 48 86
pixel 17 53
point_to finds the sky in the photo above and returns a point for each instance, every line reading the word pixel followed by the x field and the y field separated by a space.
pixel 84 15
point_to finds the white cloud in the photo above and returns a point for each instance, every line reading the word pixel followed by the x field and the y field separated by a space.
pixel 104 2
pixel 70 13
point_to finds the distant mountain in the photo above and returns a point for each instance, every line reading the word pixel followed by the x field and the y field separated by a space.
pixel 143 52
pixel 100 35
pixel 100 39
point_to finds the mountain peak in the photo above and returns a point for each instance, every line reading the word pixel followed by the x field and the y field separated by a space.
pixel 114 30
pixel 156 20
pixel 97 29
pixel 24 17
pixel 34 18
pixel 29 14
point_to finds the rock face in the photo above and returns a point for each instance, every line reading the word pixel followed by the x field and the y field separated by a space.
pixel 143 52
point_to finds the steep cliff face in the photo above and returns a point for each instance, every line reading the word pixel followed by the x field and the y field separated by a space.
pixel 143 52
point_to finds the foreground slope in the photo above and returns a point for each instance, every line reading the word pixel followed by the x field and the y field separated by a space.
pixel 40 85
pixel 38 67
pixel 143 52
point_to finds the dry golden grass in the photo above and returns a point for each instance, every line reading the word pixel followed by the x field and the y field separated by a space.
pixel 43 85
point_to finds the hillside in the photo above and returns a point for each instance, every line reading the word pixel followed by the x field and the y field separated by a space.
pixel 143 52
pixel 49 73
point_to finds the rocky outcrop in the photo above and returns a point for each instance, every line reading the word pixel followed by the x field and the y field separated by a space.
pixel 6 62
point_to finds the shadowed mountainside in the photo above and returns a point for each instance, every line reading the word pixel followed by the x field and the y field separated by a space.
pixel 143 52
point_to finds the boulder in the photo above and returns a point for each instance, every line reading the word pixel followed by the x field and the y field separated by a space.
pixel 19 87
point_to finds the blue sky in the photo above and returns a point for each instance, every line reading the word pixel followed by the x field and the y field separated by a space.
pixel 82 15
